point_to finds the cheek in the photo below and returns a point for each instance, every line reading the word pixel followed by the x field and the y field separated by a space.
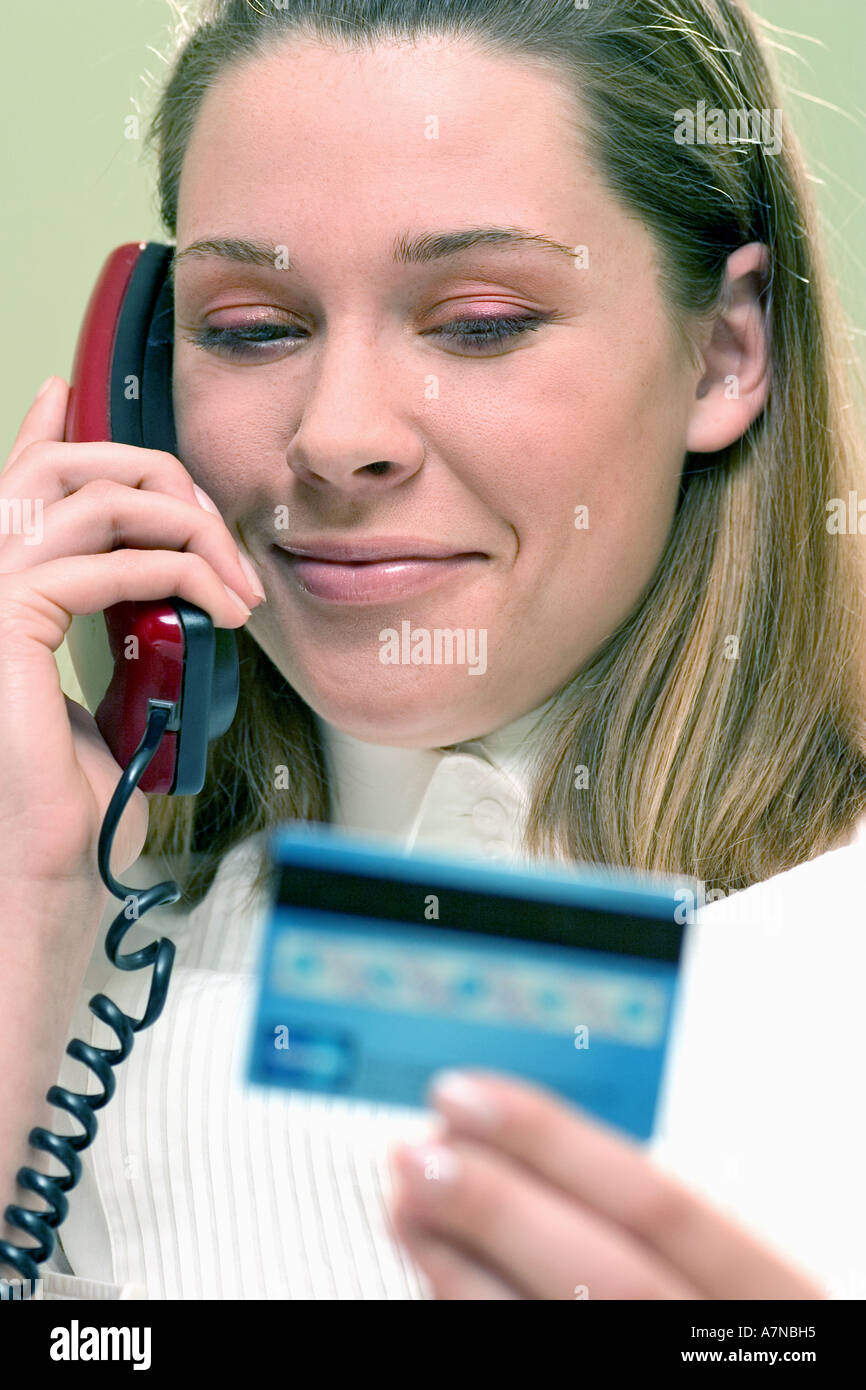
pixel 220 435
pixel 588 464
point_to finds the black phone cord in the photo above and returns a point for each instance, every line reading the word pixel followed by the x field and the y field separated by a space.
pixel 41 1225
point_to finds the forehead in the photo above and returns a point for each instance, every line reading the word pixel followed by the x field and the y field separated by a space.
pixel 395 133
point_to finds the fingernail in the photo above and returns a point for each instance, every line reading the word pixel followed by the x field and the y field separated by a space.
pixel 239 601
pixel 428 1165
pixel 205 501
pixel 463 1098
pixel 43 388
pixel 255 582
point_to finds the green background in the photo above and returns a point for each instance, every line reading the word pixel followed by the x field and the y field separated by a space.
pixel 76 70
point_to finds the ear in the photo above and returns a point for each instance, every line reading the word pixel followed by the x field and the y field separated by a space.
pixel 735 384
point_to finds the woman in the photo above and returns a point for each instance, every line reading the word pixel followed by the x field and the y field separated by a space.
pixel 447 352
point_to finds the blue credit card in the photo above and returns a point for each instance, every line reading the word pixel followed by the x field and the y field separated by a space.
pixel 381 967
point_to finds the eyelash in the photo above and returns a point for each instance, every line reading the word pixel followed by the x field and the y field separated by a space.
pixel 236 342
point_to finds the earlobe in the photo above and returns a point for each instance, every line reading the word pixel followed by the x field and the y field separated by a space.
pixel 734 386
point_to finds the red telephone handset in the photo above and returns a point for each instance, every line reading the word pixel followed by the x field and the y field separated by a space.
pixel 139 654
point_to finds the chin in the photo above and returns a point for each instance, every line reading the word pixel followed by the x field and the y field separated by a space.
pixel 406 714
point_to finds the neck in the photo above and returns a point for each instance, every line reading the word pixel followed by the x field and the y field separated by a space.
pixel 382 789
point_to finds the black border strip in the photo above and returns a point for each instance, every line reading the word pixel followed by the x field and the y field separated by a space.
pixel 487 913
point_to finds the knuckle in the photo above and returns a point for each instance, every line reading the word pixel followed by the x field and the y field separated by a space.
pixel 480 1207
pixel 207 525
pixel 200 567
pixel 657 1210
pixel 25 454
pixel 171 464
pixel 125 562
pixel 101 490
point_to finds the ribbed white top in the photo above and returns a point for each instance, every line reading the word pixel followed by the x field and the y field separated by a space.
pixel 197 1187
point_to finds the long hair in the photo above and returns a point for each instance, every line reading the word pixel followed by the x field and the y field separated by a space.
pixel 718 733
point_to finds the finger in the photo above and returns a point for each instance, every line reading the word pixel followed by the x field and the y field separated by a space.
pixel 45 419
pixel 104 516
pixel 39 604
pixel 615 1178
pixel 450 1273
pixel 51 470
pixel 531 1235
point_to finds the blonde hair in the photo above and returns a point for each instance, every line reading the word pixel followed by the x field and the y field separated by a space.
pixel 729 770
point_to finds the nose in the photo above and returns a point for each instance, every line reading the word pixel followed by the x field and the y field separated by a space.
pixel 356 432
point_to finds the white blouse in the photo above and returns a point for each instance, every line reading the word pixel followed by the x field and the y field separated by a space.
pixel 198 1187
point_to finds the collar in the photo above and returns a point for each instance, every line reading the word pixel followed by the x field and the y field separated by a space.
pixel 471 797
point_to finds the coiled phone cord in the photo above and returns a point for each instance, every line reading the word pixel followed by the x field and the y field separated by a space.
pixel 41 1225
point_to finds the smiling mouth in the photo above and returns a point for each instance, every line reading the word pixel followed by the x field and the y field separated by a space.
pixel 374 580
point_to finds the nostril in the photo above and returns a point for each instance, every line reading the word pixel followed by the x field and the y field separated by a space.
pixel 379 468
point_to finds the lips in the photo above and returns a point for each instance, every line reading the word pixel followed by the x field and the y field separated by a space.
pixel 376 548
pixel 376 571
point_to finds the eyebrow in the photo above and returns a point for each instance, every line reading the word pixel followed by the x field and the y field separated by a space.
pixel 406 250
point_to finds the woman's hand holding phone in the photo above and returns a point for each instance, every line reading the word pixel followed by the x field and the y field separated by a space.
pixel 116 523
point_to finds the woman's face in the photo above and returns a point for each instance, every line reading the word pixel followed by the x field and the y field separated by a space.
pixel 548 461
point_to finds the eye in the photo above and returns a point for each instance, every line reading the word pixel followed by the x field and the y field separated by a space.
pixel 490 332
pixel 251 340
pixel 247 340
